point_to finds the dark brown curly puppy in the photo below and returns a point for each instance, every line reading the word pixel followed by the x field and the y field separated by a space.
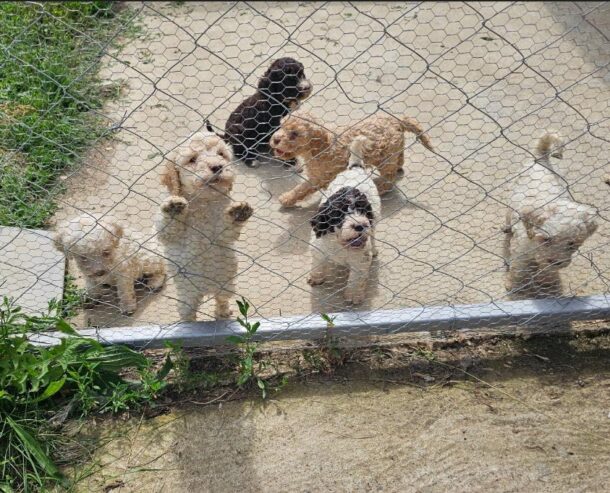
pixel 251 125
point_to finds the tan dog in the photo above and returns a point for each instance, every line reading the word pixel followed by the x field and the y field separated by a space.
pixel 199 223
pixel 107 256
pixel 325 155
pixel 544 227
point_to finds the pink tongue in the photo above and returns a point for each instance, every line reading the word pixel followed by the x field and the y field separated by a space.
pixel 357 242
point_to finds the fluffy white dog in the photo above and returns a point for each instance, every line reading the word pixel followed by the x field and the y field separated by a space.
pixel 199 223
pixel 344 226
pixel 544 227
pixel 107 256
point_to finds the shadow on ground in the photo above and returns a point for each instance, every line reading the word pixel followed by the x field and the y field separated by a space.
pixel 513 415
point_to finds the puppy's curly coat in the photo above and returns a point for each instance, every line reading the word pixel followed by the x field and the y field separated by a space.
pixel 544 227
pixel 325 153
pixel 344 226
pixel 250 126
pixel 199 223
pixel 107 256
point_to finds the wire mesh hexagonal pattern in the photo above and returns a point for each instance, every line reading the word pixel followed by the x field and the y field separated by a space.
pixel 227 165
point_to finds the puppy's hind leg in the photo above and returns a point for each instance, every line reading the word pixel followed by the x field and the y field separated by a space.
pixel 189 298
pixel 127 294
pixel 156 280
pixel 223 309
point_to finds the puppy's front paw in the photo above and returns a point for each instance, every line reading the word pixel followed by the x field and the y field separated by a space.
pixel 286 200
pixel 173 206
pixel 241 212
pixel 315 280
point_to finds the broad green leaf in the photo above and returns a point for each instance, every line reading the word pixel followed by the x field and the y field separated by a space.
pixel 51 389
pixel 65 327
pixel 34 448
pixel 244 306
pixel 167 366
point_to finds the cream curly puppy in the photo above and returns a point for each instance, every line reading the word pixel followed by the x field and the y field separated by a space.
pixel 106 255
pixel 325 153
pixel 344 226
pixel 544 227
pixel 199 223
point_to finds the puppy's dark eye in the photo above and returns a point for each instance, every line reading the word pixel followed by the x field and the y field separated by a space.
pixel 293 134
pixel 222 153
pixel 572 245
pixel 193 160
pixel 106 253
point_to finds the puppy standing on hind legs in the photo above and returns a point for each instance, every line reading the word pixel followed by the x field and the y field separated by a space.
pixel 344 226
pixel 199 223
pixel 544 227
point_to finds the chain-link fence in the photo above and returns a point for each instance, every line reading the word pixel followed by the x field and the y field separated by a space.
pixel 483 81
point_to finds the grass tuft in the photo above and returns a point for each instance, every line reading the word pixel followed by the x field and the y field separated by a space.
pixel 49 93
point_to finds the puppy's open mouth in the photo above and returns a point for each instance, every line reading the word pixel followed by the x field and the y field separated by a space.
pixel 284 155
pixel 357 242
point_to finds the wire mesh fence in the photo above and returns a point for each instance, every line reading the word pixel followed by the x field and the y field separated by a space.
pixel 452 98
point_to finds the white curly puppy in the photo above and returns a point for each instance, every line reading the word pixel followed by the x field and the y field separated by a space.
pixel 199 223
pixel 344 226
pixel 544 227
pixel 107 256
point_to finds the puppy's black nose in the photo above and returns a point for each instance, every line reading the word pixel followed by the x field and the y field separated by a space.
pixel 359 228
pixel 216 169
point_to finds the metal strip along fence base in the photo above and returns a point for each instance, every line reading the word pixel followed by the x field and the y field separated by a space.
pixel 491 316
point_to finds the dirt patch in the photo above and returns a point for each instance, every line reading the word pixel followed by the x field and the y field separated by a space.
pixel 507 415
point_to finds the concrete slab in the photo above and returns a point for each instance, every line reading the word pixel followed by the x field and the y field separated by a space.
pixel 31 269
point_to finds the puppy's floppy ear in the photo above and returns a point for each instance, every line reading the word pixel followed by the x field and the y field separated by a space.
pixel 171 178
pixel 533 219
pixel 321 221
pixel 332 212
pixel 273 75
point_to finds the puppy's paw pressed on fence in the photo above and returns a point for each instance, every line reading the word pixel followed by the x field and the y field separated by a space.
pixel 174 205
pixel 240 213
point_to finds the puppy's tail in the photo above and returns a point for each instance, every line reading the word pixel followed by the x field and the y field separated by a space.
pixel 413 126
pixel 550 144
pixel 356 152
pixel 209 128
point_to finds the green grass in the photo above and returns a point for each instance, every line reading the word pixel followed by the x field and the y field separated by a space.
pixel 49 91
pixel 41 387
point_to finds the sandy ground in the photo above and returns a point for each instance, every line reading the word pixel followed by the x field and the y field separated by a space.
pixel 485 79
pixel 528 416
